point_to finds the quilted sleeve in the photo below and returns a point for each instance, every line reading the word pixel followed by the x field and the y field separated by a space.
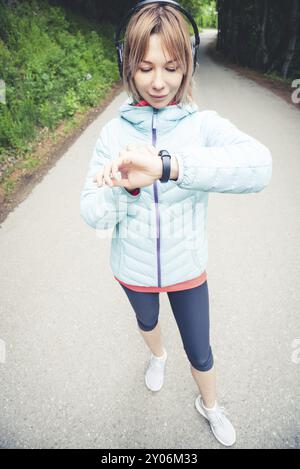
pixel 103 207
pixel 231 161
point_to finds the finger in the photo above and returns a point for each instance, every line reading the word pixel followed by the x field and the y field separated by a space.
pixel 124 162
pixel 115 174
pixel 124 183
pixel 106 175
pixel 121 183
pixel 119 178
pixel 119 169
pixel 98 178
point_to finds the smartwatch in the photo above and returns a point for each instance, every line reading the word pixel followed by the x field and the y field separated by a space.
pixel 166 162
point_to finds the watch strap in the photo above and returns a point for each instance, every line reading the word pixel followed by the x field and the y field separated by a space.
pixel 166 162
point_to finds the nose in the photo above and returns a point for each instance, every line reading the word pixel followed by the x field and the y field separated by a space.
pixel 158 82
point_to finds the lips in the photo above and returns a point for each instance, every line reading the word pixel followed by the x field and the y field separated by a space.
pixel 158 97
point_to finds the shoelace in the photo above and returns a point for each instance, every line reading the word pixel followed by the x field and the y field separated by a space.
pixel 217 416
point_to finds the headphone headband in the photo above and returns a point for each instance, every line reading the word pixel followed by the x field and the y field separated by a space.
pixel 136 8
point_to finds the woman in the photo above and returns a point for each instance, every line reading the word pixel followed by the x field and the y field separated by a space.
pixel 159 241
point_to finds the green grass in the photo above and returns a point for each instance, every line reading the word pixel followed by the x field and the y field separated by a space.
pixel 54 65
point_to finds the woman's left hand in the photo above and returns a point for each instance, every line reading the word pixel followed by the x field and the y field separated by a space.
pixel 139 166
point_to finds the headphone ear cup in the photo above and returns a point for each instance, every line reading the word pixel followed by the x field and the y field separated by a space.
pixel 121 51
pixel 193 43
pixel 120 57
pixel 194 48
pixel 194 52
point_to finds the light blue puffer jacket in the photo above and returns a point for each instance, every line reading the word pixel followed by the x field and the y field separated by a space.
pixel 160 236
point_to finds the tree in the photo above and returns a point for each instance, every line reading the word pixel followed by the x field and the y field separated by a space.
pixel 292 39
pixel 262 34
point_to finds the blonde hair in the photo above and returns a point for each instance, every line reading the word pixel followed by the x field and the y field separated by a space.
pixel 174 31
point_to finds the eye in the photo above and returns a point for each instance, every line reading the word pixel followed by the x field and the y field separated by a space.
pixel 149 70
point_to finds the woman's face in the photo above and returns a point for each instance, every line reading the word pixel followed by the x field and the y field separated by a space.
pixel 156 77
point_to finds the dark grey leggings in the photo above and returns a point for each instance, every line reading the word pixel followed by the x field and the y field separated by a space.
pixel 191 311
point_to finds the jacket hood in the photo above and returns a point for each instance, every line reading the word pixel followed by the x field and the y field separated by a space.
pixel 167 117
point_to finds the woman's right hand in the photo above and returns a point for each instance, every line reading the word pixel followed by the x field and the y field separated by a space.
pixel 139 167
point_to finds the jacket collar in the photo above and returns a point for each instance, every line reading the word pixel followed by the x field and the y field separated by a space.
pixel 167 117
pixel 145 103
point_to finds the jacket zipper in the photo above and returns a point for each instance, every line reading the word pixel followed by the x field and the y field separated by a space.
pixel 154 138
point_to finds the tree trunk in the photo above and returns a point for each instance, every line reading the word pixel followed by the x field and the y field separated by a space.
pixel 293 28
pixel 221 26
pixel 229 18
pixel 278 54
pixel 220 12
pixel 262 55
pixel 234 52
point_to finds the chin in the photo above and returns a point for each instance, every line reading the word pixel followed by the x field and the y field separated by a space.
pixel 160 104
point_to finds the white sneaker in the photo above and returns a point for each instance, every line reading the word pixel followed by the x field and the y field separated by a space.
pixel 154 376
pixel 221 427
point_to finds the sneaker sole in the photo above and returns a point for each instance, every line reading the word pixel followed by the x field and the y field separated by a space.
pixel 200 410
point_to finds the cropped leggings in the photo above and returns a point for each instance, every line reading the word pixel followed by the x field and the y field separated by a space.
pixel 191 311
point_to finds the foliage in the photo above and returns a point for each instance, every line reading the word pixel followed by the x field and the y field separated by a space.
pixel 52 64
